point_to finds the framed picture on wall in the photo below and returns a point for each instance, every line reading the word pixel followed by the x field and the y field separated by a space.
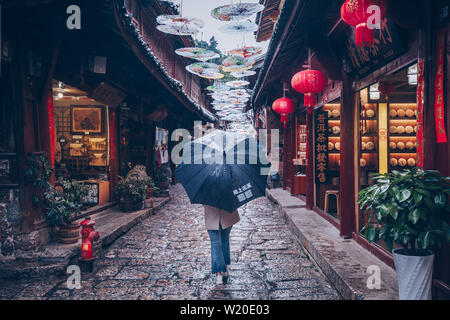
pixel 87 119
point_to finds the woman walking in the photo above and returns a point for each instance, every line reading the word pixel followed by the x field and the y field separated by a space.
pixel 219 223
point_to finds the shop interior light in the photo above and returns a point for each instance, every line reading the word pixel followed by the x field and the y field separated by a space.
pixel 60 95
pixel 374 94
pixel 412 75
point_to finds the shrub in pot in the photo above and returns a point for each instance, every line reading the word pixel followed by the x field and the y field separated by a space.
pixel 151 187
pixel 131 194
pixel 163 176
pixel 412 210
pixel 62 203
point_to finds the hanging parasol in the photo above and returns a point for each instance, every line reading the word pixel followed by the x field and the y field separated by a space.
pixel 201 54
pixel 205 70
pixel 177 30
pixel 235 63
pixel 243 73
pixel 235 12
pixel 237 83
pixel 239 27
pixel 246 52
pixel 218 87
pixel 179 21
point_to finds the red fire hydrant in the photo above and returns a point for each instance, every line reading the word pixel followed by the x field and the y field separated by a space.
pixel 88 236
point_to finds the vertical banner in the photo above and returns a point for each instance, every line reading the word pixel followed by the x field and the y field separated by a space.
pixel 51 127
pixel 383 137
pixel 439 108
pixel 321 159
pixel 420 104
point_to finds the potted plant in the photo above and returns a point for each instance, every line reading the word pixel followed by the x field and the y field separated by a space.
pixel 163 175
pixel 412 211
pixel 131 194
pixel 151 187
pixel 62 203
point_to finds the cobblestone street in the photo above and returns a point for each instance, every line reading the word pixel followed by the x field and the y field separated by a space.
pixel 168 257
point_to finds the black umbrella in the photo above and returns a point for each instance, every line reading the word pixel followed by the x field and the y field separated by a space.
pixel 222 170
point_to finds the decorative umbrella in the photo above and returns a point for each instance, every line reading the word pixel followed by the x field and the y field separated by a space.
pixel 234 12
pixel 218 87
pixel 239 27
pixel 179 21
pixel 177 30
pixel 205 70
pixel 242 74
pixel 246 52
pixel 237 83
pixel 200 54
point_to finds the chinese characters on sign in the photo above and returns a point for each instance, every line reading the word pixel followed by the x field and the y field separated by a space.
pixel 321 135
pixel 439 85
pixel 243 193
pixel 420 103
pixel 387 46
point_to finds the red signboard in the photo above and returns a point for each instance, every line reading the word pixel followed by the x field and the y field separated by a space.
pixel 51 128
pixel 420 103
pixel 439 87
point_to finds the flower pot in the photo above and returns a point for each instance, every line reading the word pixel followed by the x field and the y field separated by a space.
pixel 414 275
pixel 69 233
pixel 140 205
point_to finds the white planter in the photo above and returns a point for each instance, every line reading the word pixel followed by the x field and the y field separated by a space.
pixel 414 276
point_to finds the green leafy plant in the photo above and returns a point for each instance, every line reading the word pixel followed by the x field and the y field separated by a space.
pixel 151 184
pixel 131 190
pixel 38 173
pixel 163 174
pixel 411 207
pixel 64 201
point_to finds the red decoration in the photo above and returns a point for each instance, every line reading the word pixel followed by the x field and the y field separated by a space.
pixel 51 128
pixel 386 88
pixel 112 136
pixel 420 103
pixel 354 13
pixel 439 106
pixel 308 82
pixel 283 106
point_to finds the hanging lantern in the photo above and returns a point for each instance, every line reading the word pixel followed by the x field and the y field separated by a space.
pixel 386 88
pixel 354 13
pixel 308 82
pixel 283 106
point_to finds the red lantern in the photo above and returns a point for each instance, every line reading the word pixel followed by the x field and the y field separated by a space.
pixel 354 13
pixel 283 106
pixel 308 82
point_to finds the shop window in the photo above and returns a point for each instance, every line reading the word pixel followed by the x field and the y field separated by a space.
pixel 388 129
pixel 82 146
pixel 300 160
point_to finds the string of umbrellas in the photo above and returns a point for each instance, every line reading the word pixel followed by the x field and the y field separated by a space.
pixel 229 96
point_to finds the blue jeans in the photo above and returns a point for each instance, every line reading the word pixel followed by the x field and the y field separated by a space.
pixel 220 249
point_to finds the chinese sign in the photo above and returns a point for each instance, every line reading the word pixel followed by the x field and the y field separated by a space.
pixel 439 85
pixel 243 193
pixel 420 103
pixel 387 46
pixel 321 160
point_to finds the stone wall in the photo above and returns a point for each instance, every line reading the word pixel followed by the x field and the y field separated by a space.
pixel 13 242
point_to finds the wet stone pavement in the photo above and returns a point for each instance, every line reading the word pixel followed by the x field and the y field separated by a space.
pixel 168 257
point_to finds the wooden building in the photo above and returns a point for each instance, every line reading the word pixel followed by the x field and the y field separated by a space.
pixel 91 96
pixel 370 129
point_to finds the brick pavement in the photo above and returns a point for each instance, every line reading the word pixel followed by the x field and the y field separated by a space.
pixel 168 257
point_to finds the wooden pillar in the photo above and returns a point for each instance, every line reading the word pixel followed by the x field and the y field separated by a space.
pixel 347 168
pixel 310 163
